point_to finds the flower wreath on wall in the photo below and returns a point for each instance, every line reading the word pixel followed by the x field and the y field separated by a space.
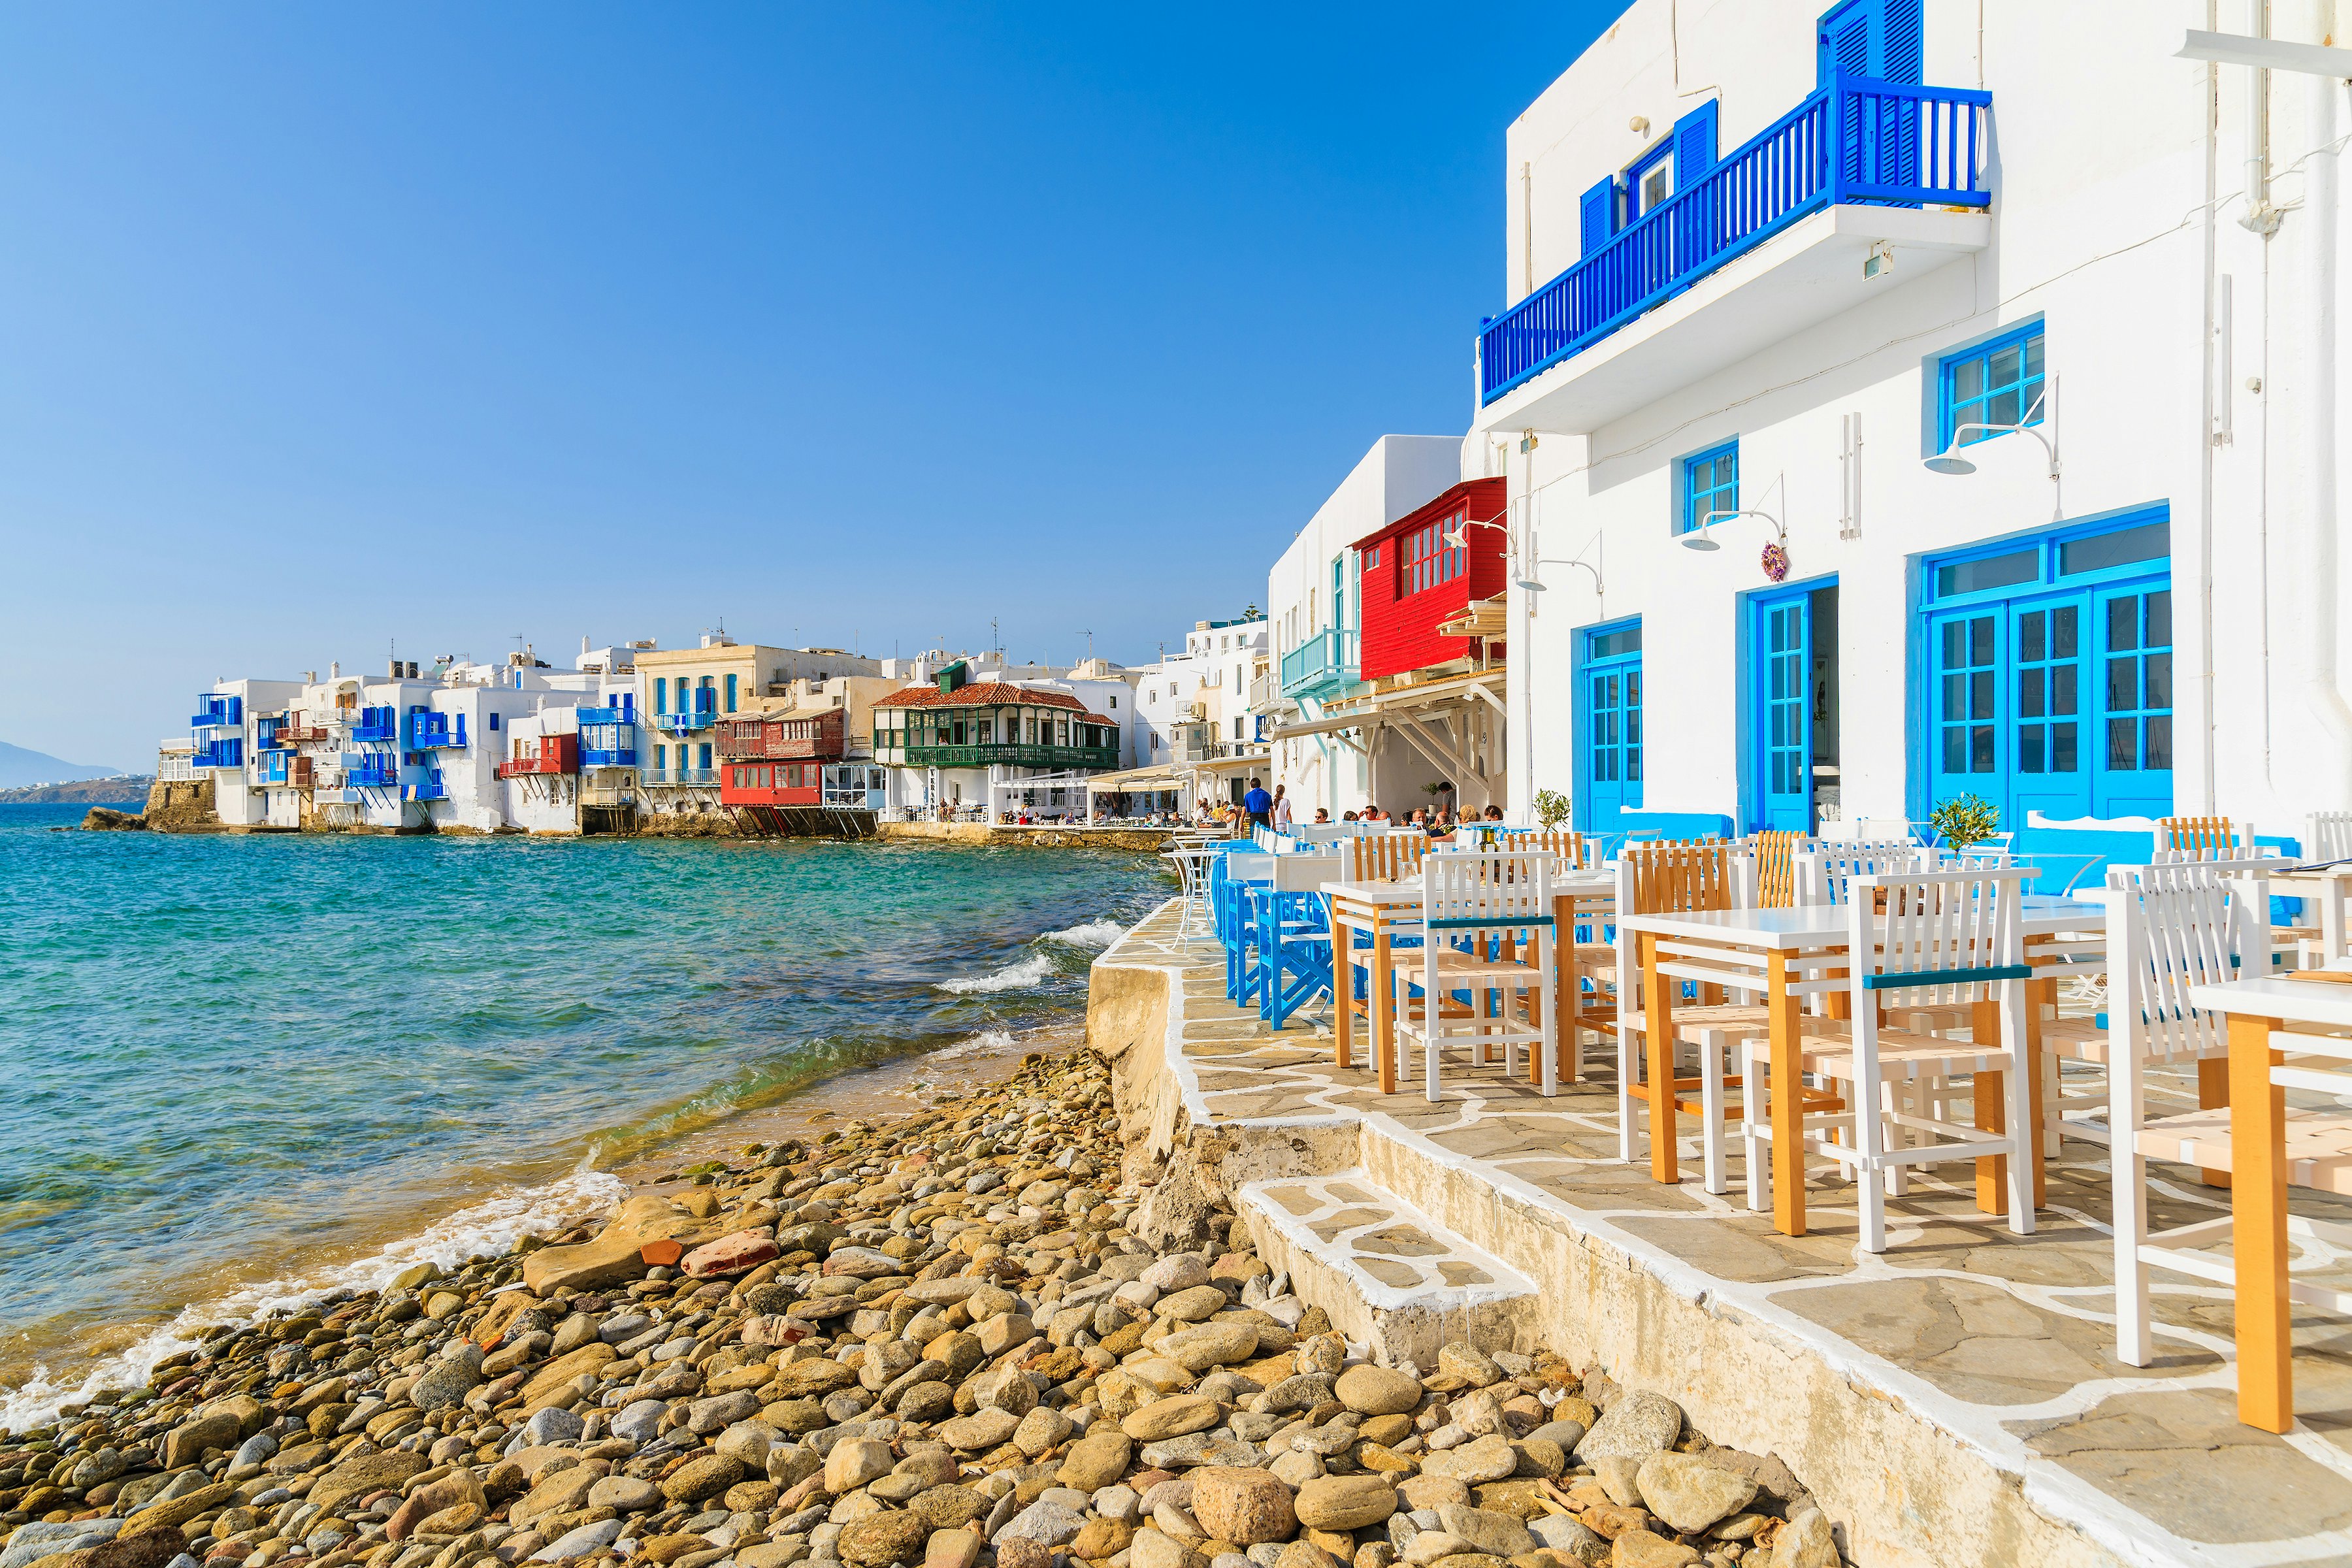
pixel 1776 560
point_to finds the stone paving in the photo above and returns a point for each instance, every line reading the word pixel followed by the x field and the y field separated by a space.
pixel 2008 1340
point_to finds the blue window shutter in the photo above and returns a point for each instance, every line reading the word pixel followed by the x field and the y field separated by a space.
pixel 1846 39
pixel 1902 51
pixel 1599 214
pixel 1694 146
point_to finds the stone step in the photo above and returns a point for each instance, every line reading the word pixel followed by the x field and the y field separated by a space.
pixel 1391 1278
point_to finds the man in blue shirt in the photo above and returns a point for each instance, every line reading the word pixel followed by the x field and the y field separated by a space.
pixel 1259 805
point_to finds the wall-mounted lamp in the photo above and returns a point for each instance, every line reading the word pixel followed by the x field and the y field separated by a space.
pixel 1702 536
pixel 1458 536
pixel 1950 461
pixel 1532 586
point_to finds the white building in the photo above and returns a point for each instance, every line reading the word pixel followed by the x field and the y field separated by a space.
pixel 972 744
pixel 2065 234
pixel 1321 757
pixel 1194 709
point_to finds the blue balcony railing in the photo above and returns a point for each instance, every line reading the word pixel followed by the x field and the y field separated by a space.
pixel 609 756
pixel 625 713
pixel 229 754
pixel 1323 664
pixel 217 712
pixel 678 778
pixel 428 731
pixel 1855 140
pixel 684 723
pixel 377 724
pixel 430 787
pixel 372 772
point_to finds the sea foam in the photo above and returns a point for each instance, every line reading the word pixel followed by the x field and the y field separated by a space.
pixel 488 1227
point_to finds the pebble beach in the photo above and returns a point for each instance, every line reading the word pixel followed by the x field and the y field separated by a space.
pixel 987 1334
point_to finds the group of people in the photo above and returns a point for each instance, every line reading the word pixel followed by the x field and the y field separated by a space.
pixel 1264 810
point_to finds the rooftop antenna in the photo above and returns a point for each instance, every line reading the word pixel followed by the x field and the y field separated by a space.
pixel 1090 647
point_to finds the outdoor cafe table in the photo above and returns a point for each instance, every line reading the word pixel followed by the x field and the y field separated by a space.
pixel 1782 936
pixel 2330 885
pixel 1377 909
pixel 2258 1171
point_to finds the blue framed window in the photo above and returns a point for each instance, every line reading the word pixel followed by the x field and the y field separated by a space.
pixel 2045 673
pixel 1609 754
pixel 1710 484
pixel 730 694
pixel 1650 179
pixel 1995 382
pixel 661 694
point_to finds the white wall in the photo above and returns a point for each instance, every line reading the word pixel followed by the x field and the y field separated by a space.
pixel 2101 177
pixel 1398 474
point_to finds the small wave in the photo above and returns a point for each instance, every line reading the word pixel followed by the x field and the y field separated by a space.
pixel 1015 976
pixel 982 1044
pixel 488 1227
pixel 1092 934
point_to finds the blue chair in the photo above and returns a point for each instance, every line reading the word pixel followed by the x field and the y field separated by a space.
pixel 1293 934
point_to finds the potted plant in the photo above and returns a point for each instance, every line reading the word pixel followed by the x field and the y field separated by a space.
pixel 1965 821
pixel 1552 808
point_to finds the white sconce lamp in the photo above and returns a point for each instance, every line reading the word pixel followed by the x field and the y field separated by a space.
pixel 1702 536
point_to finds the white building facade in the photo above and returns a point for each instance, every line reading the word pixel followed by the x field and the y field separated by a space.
pixel 1315 622
pixel 2007 394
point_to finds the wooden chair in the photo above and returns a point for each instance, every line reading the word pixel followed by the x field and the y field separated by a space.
pixel 2205 837
pixel 1944 937
pixel 2171 927
pixel 1767 866
pixel 1480 899
pixel 1386 857
pixel 1674 877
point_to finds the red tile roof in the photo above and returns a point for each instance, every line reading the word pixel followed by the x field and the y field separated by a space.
pixel 985 694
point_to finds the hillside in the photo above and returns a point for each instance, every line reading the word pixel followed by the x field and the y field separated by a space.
pixel 100 791
pixel 20 766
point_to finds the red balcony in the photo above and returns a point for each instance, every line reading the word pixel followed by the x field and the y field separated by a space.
pixel 300 734
pixel 549 756
pixel 1418 587
pixel 772 784
pixel 816 737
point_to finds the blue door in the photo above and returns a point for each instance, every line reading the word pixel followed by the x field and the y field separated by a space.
pixel 1783 662
pixel 2049 676
pixel 1609 726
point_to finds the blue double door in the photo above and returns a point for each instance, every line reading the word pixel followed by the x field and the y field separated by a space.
pixel 2060 704
pixel 1789 674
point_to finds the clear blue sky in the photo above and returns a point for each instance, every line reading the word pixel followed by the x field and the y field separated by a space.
pixel 327 325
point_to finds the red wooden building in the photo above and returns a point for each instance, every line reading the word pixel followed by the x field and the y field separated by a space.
pixel 1414 580
pixel 779 758
pixel 548 755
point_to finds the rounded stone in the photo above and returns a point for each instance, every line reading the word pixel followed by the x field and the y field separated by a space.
pixel 1637 1426
pixel 1370 1390
pixel 1193 1306
pixel 1173 1418
pixel 623 1494
pixel 881 1538
pixel 856 1461
pixel 1345 1502
pixel 704 1478
pixel 1245 1507
pixel 947 1506
pixel 1096 1460
pixel 1689 1493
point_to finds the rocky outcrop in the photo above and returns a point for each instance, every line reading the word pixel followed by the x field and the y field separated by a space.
pixel 105 819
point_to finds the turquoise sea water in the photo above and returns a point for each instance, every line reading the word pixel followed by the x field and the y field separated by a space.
pixel 221 1054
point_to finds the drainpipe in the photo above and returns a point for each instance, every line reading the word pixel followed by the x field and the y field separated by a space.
pixel 2217 394
pixel 2312 589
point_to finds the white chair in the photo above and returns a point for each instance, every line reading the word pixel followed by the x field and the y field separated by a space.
pixel 1825 871
pixel 2171 927
pixel 1935 938
pixel 1484 896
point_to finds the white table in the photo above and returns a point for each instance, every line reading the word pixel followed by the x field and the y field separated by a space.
pixel 1379 910
pixel 1782 936
pixel 2258 1177
pixel 2330 886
